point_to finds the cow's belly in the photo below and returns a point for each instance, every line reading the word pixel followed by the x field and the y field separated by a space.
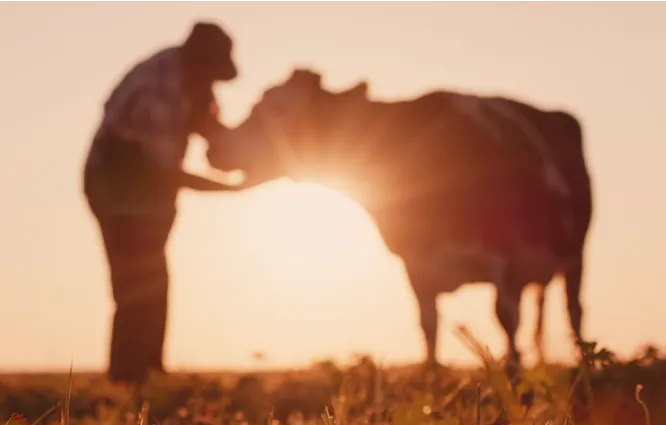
pixel 535 265
pixel 448 268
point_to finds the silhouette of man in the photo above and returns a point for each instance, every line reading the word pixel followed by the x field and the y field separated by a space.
pixel 132 176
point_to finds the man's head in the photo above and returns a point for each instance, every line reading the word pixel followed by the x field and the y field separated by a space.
pixel 207 52
pixel 298 129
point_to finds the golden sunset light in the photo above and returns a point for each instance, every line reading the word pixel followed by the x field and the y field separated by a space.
pixel 293 269
pixel 316 213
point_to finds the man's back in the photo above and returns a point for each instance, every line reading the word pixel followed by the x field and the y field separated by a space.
pixel 147 107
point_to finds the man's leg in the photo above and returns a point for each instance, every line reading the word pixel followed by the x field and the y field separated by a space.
pixel 135 247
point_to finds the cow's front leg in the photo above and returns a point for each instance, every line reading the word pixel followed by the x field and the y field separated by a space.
pixel 429 324
pixel 426 298
pixel 507 308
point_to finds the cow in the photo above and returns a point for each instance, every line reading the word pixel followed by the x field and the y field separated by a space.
pixel 463 188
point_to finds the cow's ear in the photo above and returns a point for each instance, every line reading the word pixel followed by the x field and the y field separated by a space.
pixel 360 90
pixel 305 77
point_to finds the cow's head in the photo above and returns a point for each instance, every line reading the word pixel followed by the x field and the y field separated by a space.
pixel 298 130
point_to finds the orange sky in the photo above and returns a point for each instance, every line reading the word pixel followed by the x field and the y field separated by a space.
pixel 239 282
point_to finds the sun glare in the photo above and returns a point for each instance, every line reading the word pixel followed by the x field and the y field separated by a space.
pixel 313 224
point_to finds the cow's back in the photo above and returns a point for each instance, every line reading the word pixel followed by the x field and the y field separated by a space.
pixel 422 169
pixel 564 135
pixel 445 175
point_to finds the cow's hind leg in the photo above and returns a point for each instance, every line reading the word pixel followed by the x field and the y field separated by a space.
pixel 572 281
pixel 538 333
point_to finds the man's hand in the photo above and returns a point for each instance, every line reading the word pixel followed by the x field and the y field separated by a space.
pixel 203 184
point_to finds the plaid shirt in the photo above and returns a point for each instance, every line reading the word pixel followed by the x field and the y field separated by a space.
pixel 151 115
pixel 149 107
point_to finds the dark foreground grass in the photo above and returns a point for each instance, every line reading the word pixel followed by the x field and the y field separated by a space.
pixel 602 390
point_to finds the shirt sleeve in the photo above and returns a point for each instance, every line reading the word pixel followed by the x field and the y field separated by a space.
pixel 206 112
pixel 162 139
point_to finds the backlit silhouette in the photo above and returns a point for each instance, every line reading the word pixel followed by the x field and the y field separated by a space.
pixel 462 188
pixel 132 177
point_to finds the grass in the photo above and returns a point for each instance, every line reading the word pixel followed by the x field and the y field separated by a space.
pixel 602 390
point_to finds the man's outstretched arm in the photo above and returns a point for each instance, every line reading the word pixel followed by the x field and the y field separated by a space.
pixel 202 184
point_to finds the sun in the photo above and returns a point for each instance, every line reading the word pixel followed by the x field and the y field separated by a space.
pixel 312 224
pixel 299 225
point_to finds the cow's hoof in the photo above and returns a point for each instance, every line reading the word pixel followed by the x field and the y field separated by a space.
pixel 512 367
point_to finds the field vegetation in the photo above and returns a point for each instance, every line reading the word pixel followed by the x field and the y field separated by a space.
pixel 601 390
